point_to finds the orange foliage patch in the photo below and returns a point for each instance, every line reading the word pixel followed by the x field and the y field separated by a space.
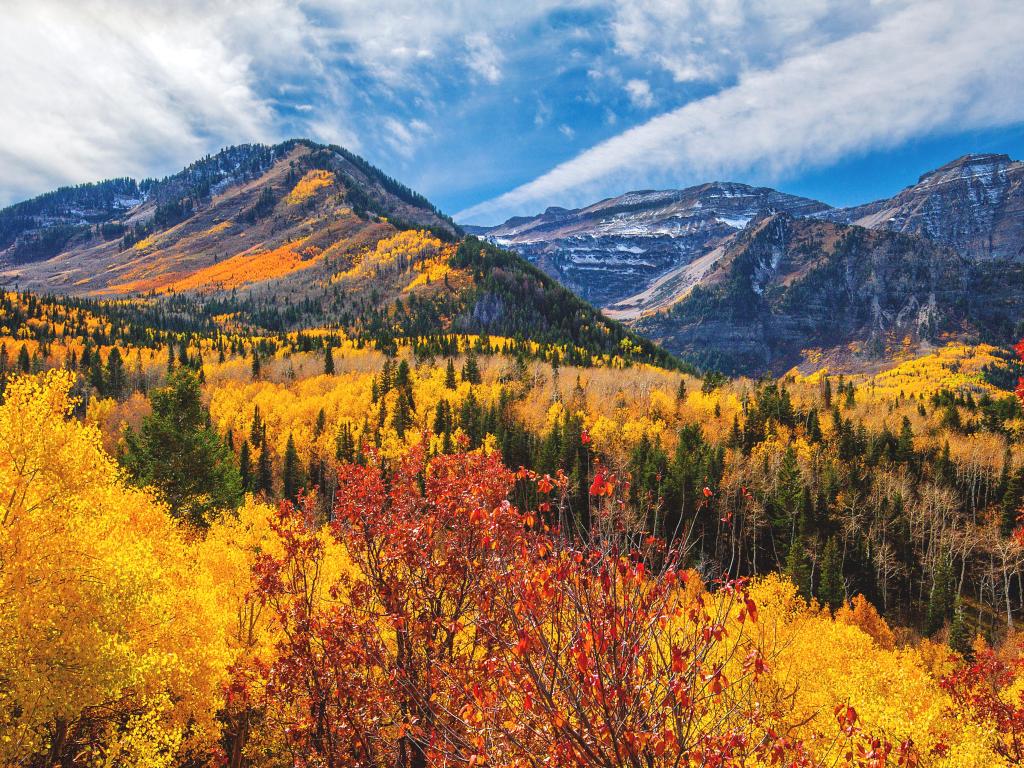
pixel 249 267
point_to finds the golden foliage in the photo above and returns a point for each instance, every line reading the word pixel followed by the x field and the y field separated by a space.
pixel 309 185
pixel 101 614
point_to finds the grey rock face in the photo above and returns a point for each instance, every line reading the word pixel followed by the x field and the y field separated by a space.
pixel 974 204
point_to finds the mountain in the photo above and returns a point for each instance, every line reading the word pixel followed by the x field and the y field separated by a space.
pixel 294 236
pixel 786 285
pixel 615 248
pixel 728 275
pixel 252 211
pixel 974 204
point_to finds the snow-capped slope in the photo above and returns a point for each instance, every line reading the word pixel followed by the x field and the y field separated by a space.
pixel 617 248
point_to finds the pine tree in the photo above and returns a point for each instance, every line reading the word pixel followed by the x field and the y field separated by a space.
pixel 24 361
pixel 265 470
pixel 831 586
pixel 344 444
pixel 401 419
pixel 256 366
pixel 449 375
pixel 96 376
pixel 291 474
pixel 471 370
pixel 176 452
pixel 402 375
pixel 941 598
pixel 116 378
pixel 328 361
pixel 321 423
pixel 905 444
pixel 959 634
pixel 245 466
pixel 798 567
pixel 256 429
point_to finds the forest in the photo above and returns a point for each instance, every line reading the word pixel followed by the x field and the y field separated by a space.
pixel 380 546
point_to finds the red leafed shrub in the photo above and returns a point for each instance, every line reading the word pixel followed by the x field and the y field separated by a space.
pixel 462 631
pixel 978 692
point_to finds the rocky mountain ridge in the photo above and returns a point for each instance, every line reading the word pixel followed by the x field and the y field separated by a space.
pixel 668 268
pixel 617 247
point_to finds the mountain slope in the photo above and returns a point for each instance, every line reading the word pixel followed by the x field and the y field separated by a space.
pixel 613 249
pixel 786 285
pixel 274 210
pixel 663 262
pixel 974 204
pixel 297 235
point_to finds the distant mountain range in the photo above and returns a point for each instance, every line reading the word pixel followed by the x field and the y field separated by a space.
pixel 739 278
pixel 748 279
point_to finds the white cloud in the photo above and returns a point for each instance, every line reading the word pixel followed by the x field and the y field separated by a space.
pixel 924 68
pixel 567 131
pixel 404 137
pixel 483 57
pixel 639 92
pixel 716 39
pixel 93 89
pixel 88 96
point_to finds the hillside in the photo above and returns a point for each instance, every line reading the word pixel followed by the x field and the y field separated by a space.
pixel 288 237
pixel 787 285
pixel 245 215
pixel 974 204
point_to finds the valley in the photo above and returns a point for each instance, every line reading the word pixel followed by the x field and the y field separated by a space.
pixel 299 454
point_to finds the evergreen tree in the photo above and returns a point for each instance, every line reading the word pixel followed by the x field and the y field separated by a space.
pixel 941 598
pixel 256 366
pixel 402 376
pixel 831 587
pixel 329 361
pixel 256 430
pixel 179 455
pixel 321 423
pixel 402 417
pixel 291 473
pixel 96 376
pixel 959 634
pixel 245 466
pixel 798 567
pixel 24 361
pixel 344 444
pixel 116 378
pixel 449 375
pixel 471 369
pixel 905 444
pixel 265 470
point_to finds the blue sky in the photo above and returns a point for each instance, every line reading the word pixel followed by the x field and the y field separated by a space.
pixel 496 109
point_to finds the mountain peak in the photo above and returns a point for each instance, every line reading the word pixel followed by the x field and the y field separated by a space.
pixel 970 165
